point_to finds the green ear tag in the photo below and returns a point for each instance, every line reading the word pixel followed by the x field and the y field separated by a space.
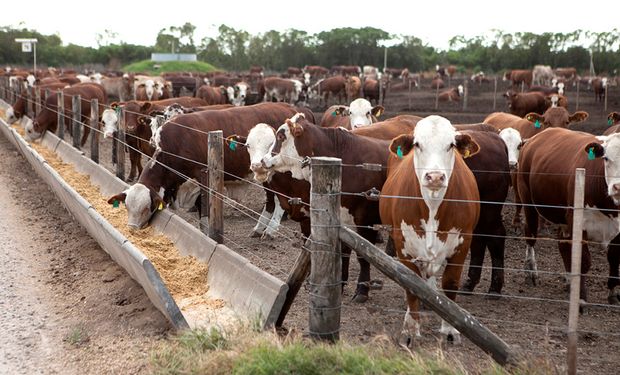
pixel 610 122
pixel 399 152
pixel 591 155
pixel 537 124
pixel 232 145
pixel 115 204
pixel 334 113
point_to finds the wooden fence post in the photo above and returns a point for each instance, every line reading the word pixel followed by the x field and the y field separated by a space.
pixel 76 129
pixel 494 93
pixel 30 106
pixel 295 280
pixel 120 147
pixel 94 124
pixel 37 101
pixel 436 96
pixel 61 114
pixel 577 99
pixel 215 163
pixel 409 96
pixel 325 281
pixel 465 94
pixel 575 269
pixel 606 90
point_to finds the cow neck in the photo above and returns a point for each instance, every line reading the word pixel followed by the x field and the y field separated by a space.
pixel 596 189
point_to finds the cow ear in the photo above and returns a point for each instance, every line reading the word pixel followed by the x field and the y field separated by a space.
pixel 578 116
pixel 523 142
pixel 341 110
pixel 533 117
pixel 234 141
pixel 143 120
pixel 156 202
pixel 144 108
pixel 377 111
pixel 594 150
pixel 613 118
pixel 402 145
pixel 113 200
pixel 465 145
pixel 113 105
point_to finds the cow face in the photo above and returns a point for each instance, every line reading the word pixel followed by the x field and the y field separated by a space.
pixel 31 80
pixel 561 88
pixel 433 144
pixel 141 203
pixel 362 112
pixel 609 151
pixel 109 117
pixel 259 141
pixel 556 117
pixel 149 88
pixel 286 153
pixel 513 141
pixel 11 115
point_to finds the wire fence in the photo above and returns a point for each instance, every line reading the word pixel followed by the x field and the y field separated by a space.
pixel 292 235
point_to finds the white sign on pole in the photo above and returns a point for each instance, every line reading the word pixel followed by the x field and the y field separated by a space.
pixel 26 47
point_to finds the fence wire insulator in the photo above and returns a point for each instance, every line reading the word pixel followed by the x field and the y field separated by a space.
pixel 305 162
pixel 295 201
pixel 372 167
pixel 372 194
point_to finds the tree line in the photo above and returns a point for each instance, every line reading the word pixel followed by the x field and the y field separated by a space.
pixel 234 49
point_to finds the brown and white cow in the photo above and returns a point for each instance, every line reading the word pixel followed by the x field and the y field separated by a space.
pixel 315 71
pixel 372 89
pixel 518 77
pixel 542 74
pixel 298 138
pixel 328 87
pixel 437 229
pixel 215 95
pixel 452 95
pixel 437 83
pixel 566 73
pixel 358 114
pixel 282 89
pixel 522 103
pixel 547 180
pixel 182 153
pixel 47 119
pixel 18 109
pixel 599 86
pixel 118 87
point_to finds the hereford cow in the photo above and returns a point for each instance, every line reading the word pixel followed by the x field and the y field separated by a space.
pixel 556 100
pixel 548 162
pixel 479 78
pixel 519 77
pixel 569 74
pixel 444 71
pixel 358 114
pixel 298 138
pixel 546 90
pixel 599 86
pixel 47 119
pixel 18 109
pixel 373 88
pixel 522 103
pixel 118 87
pixel 215 95
pixel 282 90
pixel 353 87
pixel 452 95
pixel 438 229
pixel 328 87
pixel 294 72
pixel 185 140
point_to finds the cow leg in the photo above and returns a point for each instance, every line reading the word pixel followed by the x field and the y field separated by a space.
pixel 363 281
pixel 265 216
pixel 346 257
pixel 86 132
pixel 136 165
pixel 531 231
pixel 613 258
pixel 450 285
pixel 516 220
pixel 274 223
pixel 496 249
pixel 565 246
pixel 478 245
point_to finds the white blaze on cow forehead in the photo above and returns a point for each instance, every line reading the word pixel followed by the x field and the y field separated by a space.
pixel 360 113
pixel 110 122
pixel 611 144
pixel 259 141
pixel 296 118
pixel 512 139
pixel 460 88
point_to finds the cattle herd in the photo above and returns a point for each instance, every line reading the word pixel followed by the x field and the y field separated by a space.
pixel 442 185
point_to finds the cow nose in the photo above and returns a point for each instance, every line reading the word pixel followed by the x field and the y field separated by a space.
pixel 513 164
pixel 257 166
pixel 435 178
pixel 616 188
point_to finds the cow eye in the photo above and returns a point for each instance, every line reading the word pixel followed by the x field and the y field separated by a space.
pixel 605 158
pixel 281 137
pixel 451 146
pixel 416 145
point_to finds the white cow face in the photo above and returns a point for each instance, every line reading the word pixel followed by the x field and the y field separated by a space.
pixel 460 88
pixel 141 204
pixel 10 115
pixel 434 143
pixel 609 150
pixel 110 122
pixel 283 156
pixel 96 78
pixel 258 143
pixel 307 79
pixel 31 80
pixel 513 141
pixel 149 87
pixel 561 88
pixel 361 113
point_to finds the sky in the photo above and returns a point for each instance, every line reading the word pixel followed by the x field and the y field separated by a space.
pixel 435 22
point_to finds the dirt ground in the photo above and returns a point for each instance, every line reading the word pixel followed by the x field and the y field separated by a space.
pixel 65 306
pixel 533 319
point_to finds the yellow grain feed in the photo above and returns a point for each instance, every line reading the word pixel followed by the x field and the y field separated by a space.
pixel 184 276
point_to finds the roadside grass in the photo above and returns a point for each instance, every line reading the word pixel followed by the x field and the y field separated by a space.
pixel 246 351
pixel 77 336
pixel 155 68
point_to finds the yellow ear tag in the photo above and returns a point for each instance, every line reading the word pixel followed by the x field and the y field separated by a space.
pixel 466 154
pixel 161 206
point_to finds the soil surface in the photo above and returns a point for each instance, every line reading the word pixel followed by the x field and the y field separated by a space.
pixel 65 306
pixel 59 279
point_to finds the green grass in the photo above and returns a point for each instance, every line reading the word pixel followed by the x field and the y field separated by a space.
pixel 155 68
pixel 246 351
pixel 77 336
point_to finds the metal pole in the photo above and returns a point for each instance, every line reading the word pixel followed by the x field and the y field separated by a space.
pixel 35 60
pixel 325 281
pixel 465 94
pixel 577 100
pixel 215 164
pixel 37 101
pixel 120 147
pixel 494 93
pixel 575 275
pixel 94 124
pixel 384 59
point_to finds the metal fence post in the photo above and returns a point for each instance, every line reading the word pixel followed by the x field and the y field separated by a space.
pixel 61 114
pixel 215 162
pixel 575 272
pixel 94 124
pixel 76 129
pixel 120 146
pixel 325 281
pixel 494 93
pixel 37 101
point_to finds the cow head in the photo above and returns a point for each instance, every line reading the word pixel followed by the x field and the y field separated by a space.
pixel 259 142
pixel 612 119
pixel 241 90
pixel 434 143
pixel 307 79
pixel 362 113
pixel 109 117
pixel 513 141
pixel 460 90
pixel 609 151
pixel 149 88
pixel 12 114
pixel 31 80
pixel 141 203
pixel 289 149
pixel 556 117
pixel 561 88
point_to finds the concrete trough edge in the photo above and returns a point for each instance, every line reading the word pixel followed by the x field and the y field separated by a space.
pixel 249 291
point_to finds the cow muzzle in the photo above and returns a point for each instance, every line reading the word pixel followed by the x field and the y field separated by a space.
pixel 435 180
pixel 614 192
pixel 513 165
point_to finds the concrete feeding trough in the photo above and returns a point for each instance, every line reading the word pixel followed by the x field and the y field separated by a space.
pixel 247 292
